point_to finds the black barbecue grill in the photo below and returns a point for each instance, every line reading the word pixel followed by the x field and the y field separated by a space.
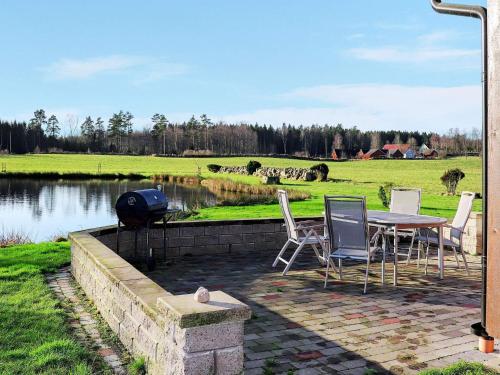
pixel 139 210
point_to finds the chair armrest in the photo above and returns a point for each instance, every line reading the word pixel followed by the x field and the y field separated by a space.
pixel 308 222
pixel 452 227
pixel 301 226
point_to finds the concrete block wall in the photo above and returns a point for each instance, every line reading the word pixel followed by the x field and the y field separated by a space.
pixel 202 237
pixel 233 236
pixel 473 236
pixel 175 334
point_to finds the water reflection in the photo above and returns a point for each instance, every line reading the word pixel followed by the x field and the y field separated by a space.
pixel 44 208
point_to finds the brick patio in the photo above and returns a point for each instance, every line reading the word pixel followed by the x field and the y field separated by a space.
pixel 300 328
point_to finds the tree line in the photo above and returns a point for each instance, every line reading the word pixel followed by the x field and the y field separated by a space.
pixel 202 136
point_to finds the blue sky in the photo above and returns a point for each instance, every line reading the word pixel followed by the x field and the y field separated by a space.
pixel 369 63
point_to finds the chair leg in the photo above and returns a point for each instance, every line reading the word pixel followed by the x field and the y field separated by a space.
pixel 292 259
pixel 411 248
pixel 340 269
pixel 288 242
pixel 383 264
pixel 326 274
pixel 456 257
pixel 426 258
pixel 316 251
pixel 465 262
pixel 419 251
pixel 366 274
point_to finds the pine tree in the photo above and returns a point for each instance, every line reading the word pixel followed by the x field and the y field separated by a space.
pixel 205 123
pixel 36 125
pixel 88 130
pixel 100 132
pixel 116 129
pixel 52 126
pixel 160 124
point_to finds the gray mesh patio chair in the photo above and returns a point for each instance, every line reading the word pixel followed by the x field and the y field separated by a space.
pixel 348 235
pixel 454 237
pixel 302 233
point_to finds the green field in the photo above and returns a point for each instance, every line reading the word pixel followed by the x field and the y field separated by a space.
pixel 34 334
pixel 354 178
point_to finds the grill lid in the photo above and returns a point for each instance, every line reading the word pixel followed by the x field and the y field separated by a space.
pixel 136 208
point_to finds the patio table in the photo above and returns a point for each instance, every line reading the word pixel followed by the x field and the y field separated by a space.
pixel 397 221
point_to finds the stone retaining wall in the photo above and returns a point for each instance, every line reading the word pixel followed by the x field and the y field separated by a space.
pixel 233 236
pixel 175 334
pixel 202 237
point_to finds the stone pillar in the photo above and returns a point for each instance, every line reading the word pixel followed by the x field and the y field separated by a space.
pixel 493 275
pixel 473 236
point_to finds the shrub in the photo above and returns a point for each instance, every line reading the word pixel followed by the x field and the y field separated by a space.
pixel 9 238
pixel 321 171
pixel 384 193
pixel 197 153
pixel 252 166
pixel 451 178
pixel 461 368
pixel 250 194
pixel 138 367
pixel 214 168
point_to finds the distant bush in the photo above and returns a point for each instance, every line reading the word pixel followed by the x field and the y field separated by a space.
pixel 384 193
pixel 10 238
pixel 451 178
pixel 214 167
pixel 55 150
pixel 252 166
pixel 197 153
pixel 321 171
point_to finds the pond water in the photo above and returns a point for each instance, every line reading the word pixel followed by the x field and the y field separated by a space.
pixel 43 209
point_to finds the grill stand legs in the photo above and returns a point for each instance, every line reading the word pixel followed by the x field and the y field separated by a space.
pixel 150 259
pixel 149 256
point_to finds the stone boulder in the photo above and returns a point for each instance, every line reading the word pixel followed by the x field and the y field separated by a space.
pixel 290 173
pixel 236 170
pixel 271 180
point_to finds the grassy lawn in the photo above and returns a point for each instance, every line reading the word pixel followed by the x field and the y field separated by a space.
pixel 462 368
pixel 354 178
pixel 34 336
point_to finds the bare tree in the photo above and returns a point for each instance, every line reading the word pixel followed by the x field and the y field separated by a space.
pixel 397 139
pixel 338 141
pixel 375 140
pixel 412 142
pixel 284 137
pixel 435 142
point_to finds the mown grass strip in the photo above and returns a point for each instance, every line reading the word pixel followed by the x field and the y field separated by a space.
pixel 34 335
pixel 462 368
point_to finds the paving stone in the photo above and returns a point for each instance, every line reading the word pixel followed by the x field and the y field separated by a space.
pixel 85 325
pixel 339 322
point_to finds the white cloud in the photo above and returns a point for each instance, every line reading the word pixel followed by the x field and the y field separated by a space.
pixel 356 36
pixel 413 55
pixel 406 26
pixel 144 69
pixel 381 107
pixel 161 70
pixel 427 47
pixel 438 36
